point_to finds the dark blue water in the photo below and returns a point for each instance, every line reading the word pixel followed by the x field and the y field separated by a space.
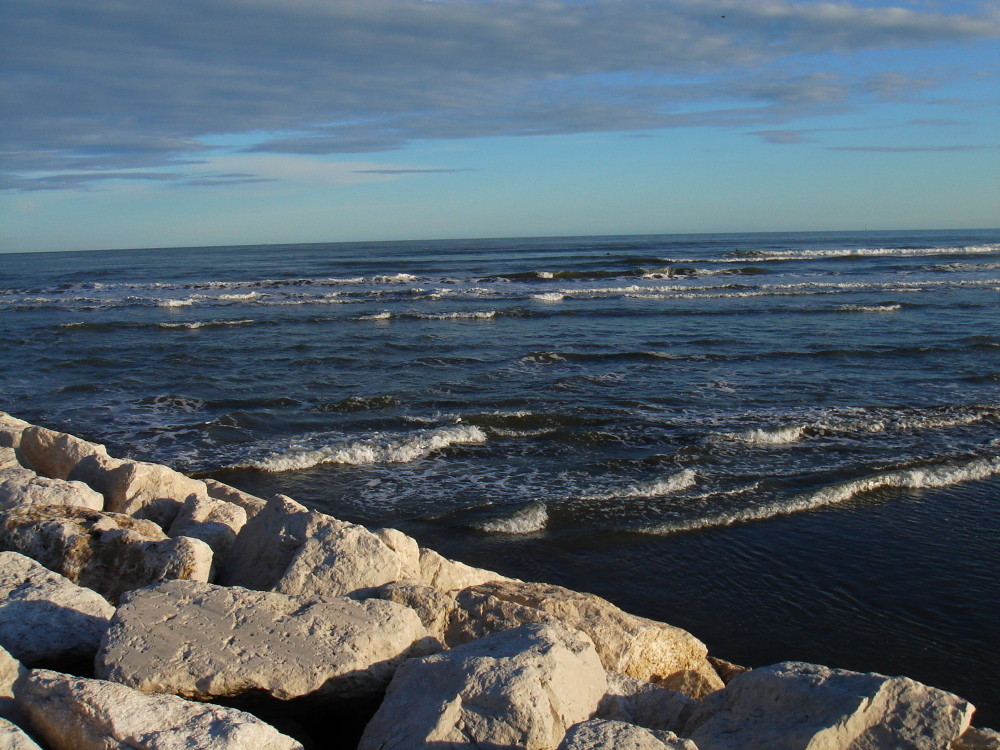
pixel 786 443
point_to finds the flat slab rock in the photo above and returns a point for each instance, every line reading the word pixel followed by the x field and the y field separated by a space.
pixel 21 486
pixel 45 616
pixel 604 734
pixel 520 688
pixel 72 713
pixel 203 641
pixel 797 706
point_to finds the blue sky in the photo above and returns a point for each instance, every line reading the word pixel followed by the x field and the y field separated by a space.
pixel 128 123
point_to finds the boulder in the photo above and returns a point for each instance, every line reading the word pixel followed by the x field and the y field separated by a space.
pixel 20 486
pixel 793 705
pixel 8 458
pixel 203 641
pixel 250 503
pixel 12 737
pixel 292 550
pixel 645 704
pixel 140 489
pixel 215 522
pixel 432 606
pixel 46 617
pixel 977 738
pixel 55 454
pixel 630 645
pixel 726 669
pixel 451 575
pixel 72 713
pixel 603 734
pixel 108 552
pixel 10 672
pixel 10 430
pixel 519 688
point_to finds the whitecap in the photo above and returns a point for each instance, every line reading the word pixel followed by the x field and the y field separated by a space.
pixel 549 297
pixel 774 436
pixel 526 520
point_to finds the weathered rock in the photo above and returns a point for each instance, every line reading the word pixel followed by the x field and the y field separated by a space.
pixel 108 552
pixel 432 606
pixel 726 669
pixel 450 575
pixel 10 430
pixel 72 713
pixel 250 503
pixel 792 705
pixel 46 617
pixel 603 734
pixel 20 486
pixel 630 645
pixel 978 738
pixel 203 641
pixel 291 550
pixel 55 454
pixel 145 490
pixel 12 737
pixel 215 522
pixel 8 458
pixel 10 672
pixel 645 704
pixel 519 689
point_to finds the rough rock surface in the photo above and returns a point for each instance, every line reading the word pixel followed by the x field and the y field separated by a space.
pixel 8 456
pixel 10 430
pixel 203 641
pixel 144 490
pixel 450 575
pixel 630 645
pixel 519 688
pixel 291 550
pixel 10 672
pixel 215 522
pixel 978 738
pixel 726 669
pixel 793 705
pixel 432 606
pixel 645 704
pixel 108 552
pixel 12 737
pixel 44 616
pixel 220 491
pixel 20 486
pixel 71 713
pixel 55 454
pixel 602 734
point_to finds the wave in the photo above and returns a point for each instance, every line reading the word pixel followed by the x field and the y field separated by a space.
pixel 176 302
pixel 526 520
pixel 207 324
pixel 887 307
pixel 371 451
pixel 915 477
pixel 658 487
pixel 549 297
pixel 360 403
pixel 860 252
pixel 775 436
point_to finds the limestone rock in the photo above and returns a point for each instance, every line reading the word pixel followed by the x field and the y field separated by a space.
pixel 432 606
pixel 977 738
pixel 10 672
pixel 215 522
pixel 72 713
pixel 645 704
pixel 519 688
pixel 108 552
pixel 145 490
pixel 291 550
pixel 203 641
pixel 793 705
pixel 44 616
pixel 250 503
pixel 8 456
pixel 12 737
pixel 603 734
pixel 55 454
pixel 726 669
pixel 450 575
pixel 10 430
pixel 20 486
pixel 630 645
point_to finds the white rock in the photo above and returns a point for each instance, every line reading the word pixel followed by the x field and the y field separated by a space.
pixel 10 672
pixel 630 645
pixel 604 734
pixel 793 705
pixel 20 486
pixel 220 491
pixel 978 738
pixel 519 689
pixel 72 713
pixel 44 616
pixel 215 522
pixel 145 490
pixel 450 575
pixel 55 454
pixel 108 552
pixel 12 737
pixel 432 606
pixel 203 641
pixel 8 458
pixel 10 430
pixel 291 550
pixel 645 704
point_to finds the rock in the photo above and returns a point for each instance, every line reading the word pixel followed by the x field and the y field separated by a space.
pixel 602 734
pixel 20 486
pixel 10 430
pixel 72 713
pixel 645 704
pixel 519 688
pixel 55 454
pixel 144 490
pixel 250 503
pixel 450 575
pixel 726 669
pixel 12 737
pixel 46 617
pixel 215 522
pixel 795 705
pixel 630 645
pixel 203 641
pixel 8 457
pixel 108 552
pixel 10 672
pixel 978 738
pixel 432 606
pixel 291 550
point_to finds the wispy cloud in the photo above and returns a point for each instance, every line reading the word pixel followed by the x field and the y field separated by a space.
pixel 909 149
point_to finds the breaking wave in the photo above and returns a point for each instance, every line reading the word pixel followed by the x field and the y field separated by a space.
pixel 526 520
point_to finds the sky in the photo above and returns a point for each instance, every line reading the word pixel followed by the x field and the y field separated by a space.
pixel 160 123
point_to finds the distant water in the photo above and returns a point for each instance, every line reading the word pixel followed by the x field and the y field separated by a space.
pixel 786 443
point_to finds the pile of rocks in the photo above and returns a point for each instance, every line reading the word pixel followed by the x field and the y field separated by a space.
pixel 143 608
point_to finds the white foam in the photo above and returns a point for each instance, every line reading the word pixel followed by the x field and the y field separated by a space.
pixel 544 274
pixel 375 316
pixel 532 517
pixel 774 436
pixel 247 295
pixel 206 324
pixel 396 278
pixel 175 302
pixel 652 488
pixel 869 308
pixel 475 315
pixel 549 297
pixel 372 451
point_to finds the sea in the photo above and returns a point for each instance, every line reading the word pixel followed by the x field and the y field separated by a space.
pixel 786 443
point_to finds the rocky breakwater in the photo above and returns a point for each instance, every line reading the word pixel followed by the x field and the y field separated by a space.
pixel 143 608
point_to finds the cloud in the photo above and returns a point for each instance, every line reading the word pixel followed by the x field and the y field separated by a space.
pixel 909 149
pixel 409 171
pixel 111 85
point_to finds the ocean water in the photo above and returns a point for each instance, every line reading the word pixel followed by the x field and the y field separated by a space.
pixel 787 443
